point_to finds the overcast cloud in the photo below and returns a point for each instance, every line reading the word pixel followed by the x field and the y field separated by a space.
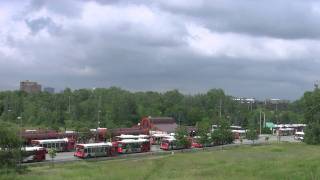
pixel 261 49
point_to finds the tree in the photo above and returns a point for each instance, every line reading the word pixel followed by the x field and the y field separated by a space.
pixel 203 128
pixel 222 135
pixel 181 136
pixel 252 132
pixel 10 151
pixel 312 133
pixel 52 153
pixel 311 101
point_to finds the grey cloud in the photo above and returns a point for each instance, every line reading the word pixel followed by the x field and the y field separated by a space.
pixel 39 24
pixel 70 8
pixel 292 19
pixel 132 57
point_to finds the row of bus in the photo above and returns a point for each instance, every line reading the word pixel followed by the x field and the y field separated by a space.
pixel 123 144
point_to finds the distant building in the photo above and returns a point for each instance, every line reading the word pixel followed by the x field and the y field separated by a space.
pixel 30 87
pixel 276 104
pixel 161 124
pixel 244 100
pixel 48 90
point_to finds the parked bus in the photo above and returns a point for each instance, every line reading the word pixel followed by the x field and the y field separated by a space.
pixel 195 142
pixel 94 150
pixel 60 145
pixel 299 136
pixel 33 154
pixel 171 144
pixel 129 136
pixel 157 138
pixel 133 145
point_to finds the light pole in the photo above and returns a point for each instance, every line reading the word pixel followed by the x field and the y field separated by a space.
pixel 264 119
pixel 20 136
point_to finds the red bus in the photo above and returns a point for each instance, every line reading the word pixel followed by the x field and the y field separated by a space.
pixel 157 138
pixel 94 150
pixel 171 144
pixel 133 145
pixel 195 142
pixel 60 145
pixel 32 154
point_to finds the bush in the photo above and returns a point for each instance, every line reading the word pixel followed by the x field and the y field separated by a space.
pixel 266 131
pixel 312 133
pixel 222 136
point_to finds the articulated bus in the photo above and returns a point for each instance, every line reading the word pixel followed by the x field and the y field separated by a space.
pixel 132 145
pixel 60 145
pixel 94 150
pixel 171 144
pixel 32 154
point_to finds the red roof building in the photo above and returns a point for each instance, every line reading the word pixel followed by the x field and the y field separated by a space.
pixel 165 124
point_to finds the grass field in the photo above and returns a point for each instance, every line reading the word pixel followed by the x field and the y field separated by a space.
pixel 277 161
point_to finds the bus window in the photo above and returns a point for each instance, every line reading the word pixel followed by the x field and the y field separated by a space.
pixel 85 150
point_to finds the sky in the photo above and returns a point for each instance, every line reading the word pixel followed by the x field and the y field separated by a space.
pixel 261 49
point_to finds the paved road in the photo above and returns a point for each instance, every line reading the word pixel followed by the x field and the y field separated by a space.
pixel 68 156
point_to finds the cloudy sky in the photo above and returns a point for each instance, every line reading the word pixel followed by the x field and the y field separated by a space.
pixel 266 48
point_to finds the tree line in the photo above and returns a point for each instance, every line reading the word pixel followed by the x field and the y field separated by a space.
pixel 115 107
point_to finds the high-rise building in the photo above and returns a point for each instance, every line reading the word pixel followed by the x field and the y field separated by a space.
pixel 48 90
pixel 30 87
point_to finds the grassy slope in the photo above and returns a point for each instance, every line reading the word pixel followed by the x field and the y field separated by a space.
pixel 284 161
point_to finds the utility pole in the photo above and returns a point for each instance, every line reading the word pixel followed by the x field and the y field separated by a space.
pixel 260 122
pixel 277 112
pixel 220 108
pixel 99 111
pixel 69 107
pixel 20 129
pixel 264 120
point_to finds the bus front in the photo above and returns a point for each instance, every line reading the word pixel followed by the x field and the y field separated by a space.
pixel 80 151
pixel 165 144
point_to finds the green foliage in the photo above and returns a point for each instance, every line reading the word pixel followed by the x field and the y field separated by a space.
pixel 312 133
pixel 203 129
pixel 52 153
pixel 84 134
pixel 266 131
pixel 115 107
pixel 181 136
pixel 10 151
pixel 223 134
pixel 252 133
pixel 311 104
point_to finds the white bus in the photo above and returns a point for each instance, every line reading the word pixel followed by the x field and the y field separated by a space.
pixel 59 145
pixel 94 150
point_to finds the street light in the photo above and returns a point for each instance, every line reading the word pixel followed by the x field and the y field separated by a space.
pixel 20 128
pixel 264 120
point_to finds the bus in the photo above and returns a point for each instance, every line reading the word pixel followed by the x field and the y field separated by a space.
pixel 157 138
pixel 133 146
pixel 129 136
pixel 33 154
pixel 94 150
pixel 171 144
pixel 299 135
pixel 60 145
pixel 195 142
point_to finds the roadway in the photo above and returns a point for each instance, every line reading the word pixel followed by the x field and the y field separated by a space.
pixel 155 149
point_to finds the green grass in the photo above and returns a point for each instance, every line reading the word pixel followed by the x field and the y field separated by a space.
pixel 277 161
